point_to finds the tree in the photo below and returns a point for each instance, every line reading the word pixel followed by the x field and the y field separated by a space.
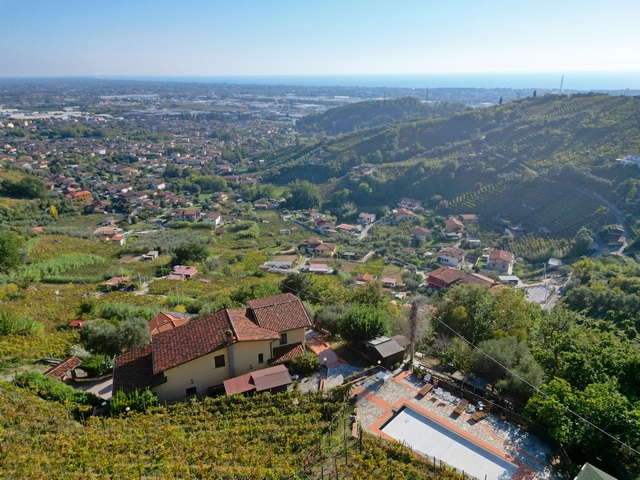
pixel 10 244
pixel 261 289
pixel 467 310
pixel 133 333
pixel 100 337
pixel 417 323
pixel 53 211
pixel 361 323
pixel 328 316
pixel 535 93
pixel 583 239
pixel 500 101
pixel 189 253
pixel 369 294
pixel 298 284
pixel 304 194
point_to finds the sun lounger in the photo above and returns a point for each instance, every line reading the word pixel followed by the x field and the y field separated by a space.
pixel 426 389
pixel 462 404
pixel 476 417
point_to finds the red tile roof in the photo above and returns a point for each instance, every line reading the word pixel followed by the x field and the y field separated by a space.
pixel 286 353
pixel 134 370
pixel 259 381
pixel 190 341
pixel 280 313
pixel 76 323
pixel 501 255
pixel 447 274
pixel 245 328
pixel 164 321
pixel 63 367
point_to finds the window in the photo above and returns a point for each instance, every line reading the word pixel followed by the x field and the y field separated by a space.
pixel 219 361
pixel 192 391
pixel 283 338
pixel 261 358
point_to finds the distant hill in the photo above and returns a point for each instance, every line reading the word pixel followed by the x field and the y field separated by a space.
pixel 373 113
pixel 524 161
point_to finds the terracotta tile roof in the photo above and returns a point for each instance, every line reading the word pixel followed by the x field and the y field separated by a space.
pixel 279 313
pixel 477 279
pixel 501 255
pixel 134 370
pixel 245 328
pixel 447 274
pixel 286 353
pixel 190 341
pixel 260 380
pixel 63 367
pixel 164 321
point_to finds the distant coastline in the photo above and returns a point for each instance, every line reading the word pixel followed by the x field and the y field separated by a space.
pixel 584 81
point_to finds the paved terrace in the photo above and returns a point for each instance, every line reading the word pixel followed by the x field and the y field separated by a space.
pixel 377 398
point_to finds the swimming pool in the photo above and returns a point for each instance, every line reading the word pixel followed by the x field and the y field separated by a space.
pixel 432 439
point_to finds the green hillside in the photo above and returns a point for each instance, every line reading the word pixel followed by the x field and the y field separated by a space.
pixel 271 437
pixel 536 160
pixel 373 113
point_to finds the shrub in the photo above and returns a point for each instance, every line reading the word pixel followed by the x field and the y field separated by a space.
pixel 51 389
pixel 97 365
pixel 305 364
pixel 10 323
pixel 136 401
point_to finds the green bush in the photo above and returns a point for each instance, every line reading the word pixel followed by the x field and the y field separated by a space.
pixel 305 364
pixel 51 389
pixel 10 323
pixel 137 401
pixel 97 365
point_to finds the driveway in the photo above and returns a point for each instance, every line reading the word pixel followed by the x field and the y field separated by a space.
pixel 101 388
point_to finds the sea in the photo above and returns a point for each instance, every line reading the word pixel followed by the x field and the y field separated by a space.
pixel 573 81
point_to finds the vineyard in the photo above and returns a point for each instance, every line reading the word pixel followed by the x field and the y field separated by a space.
pixel 539 206
pixel 289 435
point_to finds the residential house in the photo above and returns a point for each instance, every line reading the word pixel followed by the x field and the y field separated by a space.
pixel 468 218
pixel 409 203
pixel 444 277
pixel 82 197
pixel 365 278
pixel 213 217
pixel 197 357
pixel 500 260
pixel 366 218
pixel 308 245
pixel 364 169
pixel 325 250
pixel 389 282
pixel 451 256
pixel 320 268
pixel 118 240
pixel 182 272
pixel 345 227
pixel 403 215
pixel 453 225
pixel 165 321
pixel 477 279
pixel 421 232
pixel 186 214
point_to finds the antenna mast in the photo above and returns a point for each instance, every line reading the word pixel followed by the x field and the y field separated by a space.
pixel 561 83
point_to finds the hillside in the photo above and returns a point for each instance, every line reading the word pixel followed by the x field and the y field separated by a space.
pixel 373 113
pixel 535 161
pixel 282 436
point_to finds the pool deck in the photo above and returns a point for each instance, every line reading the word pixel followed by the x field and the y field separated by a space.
pixel 378 400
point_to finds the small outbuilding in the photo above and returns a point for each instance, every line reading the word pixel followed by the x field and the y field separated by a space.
pixel 385 350
pixel 273 379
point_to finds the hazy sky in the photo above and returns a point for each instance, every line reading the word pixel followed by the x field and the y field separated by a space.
pixel 314 37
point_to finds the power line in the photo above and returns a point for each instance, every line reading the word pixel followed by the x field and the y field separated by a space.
pixel 577 415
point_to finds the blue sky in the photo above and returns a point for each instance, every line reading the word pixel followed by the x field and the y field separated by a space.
pixel 314 37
